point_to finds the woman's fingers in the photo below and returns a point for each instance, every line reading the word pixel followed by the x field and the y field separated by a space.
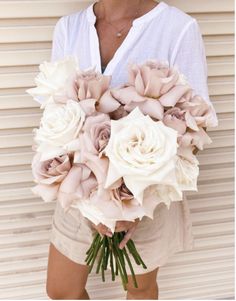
pixel 102 229
pixel 123 226
pixel 126 238
pixel 129 233
pixel 108 233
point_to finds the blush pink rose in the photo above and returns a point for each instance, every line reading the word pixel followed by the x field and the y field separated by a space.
pixel 87 87
pixel 123 198
pixel 175 118
pixel 91 84
pixel 113 205
pixel 179 120
pixel 151 86
pixel 108 103
pixel 122 193
pixel 99 129
pixel 199 109
pixel 93 139
pixel 195 138
pixel 49 174
pixel 96 133
pixel 78 184
pixel 153 78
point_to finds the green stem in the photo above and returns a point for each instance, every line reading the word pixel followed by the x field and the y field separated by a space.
pixel 125 254
pixel 116 272
pixel 119 269
pixel 92 245
pixel 99 262
pixel 97 247
pixel 91 249
pixel 111 260
pixel 120 255
pixel 90 256
pixel 143 264
pixel 103 258
pixel 107 254
pixel 131 267
pixel 117 241
pixel 134 252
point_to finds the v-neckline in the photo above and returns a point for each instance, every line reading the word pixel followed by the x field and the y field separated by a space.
pixel 135 28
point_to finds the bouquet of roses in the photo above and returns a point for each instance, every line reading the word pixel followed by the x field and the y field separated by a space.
pixel 116 153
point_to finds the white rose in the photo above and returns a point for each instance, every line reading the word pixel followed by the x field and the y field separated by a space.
pixel 55 79
pixel 156 194
pixel 59 128
pixel 142 151
pixel 187 173
pixel 93 213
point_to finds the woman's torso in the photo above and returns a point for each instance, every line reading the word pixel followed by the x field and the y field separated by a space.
pixel 154 35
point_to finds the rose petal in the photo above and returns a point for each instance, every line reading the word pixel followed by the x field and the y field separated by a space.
pixel 127 95
pixel 199 139
pixel 176 124
pixel 190 121
pixel 47 192
pixel 172 97
pixel 150 107
pixel 88 106
pixel 107 103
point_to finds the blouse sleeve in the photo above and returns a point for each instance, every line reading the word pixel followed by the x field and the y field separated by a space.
pixel 59 40
pixel 190 57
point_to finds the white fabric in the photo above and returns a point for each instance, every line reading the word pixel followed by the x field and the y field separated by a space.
pixel 163 33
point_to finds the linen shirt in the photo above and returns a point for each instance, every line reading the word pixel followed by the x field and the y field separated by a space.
pixel 164 33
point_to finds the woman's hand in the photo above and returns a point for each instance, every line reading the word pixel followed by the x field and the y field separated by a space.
pixel 102 229
pixel 127 226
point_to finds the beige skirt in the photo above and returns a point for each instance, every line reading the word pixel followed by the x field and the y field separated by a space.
pixel 156 239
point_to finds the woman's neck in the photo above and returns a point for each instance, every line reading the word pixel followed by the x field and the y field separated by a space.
pixel 114 10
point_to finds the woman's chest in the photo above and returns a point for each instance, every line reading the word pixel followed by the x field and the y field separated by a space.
pixel 109 40
pixel 108 46
pixel 138 45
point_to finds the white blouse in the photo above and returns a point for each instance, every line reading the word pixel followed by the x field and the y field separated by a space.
pixel 163 33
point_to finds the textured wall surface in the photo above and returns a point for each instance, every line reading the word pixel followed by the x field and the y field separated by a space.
pixel 26 29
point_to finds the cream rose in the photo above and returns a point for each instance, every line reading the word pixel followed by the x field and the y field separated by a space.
pixel 156 194
pixel 59 127
pixel 142 151
pixel 56 80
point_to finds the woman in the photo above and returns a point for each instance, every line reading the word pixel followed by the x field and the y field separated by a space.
pixel 109 34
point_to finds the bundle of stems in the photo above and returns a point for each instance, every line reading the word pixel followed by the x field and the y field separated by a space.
pixel 107 250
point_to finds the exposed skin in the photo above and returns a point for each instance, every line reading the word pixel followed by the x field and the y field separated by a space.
pixel 67 279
